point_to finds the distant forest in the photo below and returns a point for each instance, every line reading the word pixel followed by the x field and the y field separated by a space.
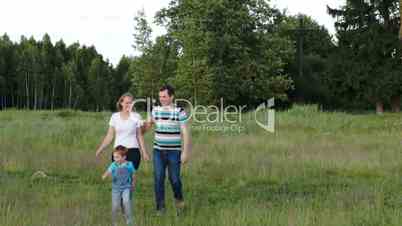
pixel 243 51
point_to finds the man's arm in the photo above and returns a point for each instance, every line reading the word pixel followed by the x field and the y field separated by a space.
pixel 185 131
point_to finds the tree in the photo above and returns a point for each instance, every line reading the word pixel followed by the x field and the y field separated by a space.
pixel 7 72
pixel 400 20
pixel 142 34
pixel 228 49
pixel 368 56
pixel 98 76
pixel 120 82
pixel 156 62
pixel 40 75
pixel 58 83
pixel 316 45
pixel 48 76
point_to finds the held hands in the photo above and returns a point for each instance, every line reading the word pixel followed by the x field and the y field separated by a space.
pixel 145 155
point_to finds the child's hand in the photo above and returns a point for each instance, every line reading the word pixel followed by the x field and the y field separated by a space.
pixel 133 187
pixel 106 174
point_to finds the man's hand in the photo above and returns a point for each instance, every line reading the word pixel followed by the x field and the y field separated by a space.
pixel 184 157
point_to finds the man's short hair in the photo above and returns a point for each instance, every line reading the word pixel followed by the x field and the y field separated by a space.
pixel 169 88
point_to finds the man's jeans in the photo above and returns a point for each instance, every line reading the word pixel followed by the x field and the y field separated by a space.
pixel 119 197
pixel 171 160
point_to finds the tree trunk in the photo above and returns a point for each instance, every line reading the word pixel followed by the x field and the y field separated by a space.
pixel 379 107
pixel 70 96
pixel 400 28
pixel 35 95
pixel 396 103
pixel 27 89
pixel 52 98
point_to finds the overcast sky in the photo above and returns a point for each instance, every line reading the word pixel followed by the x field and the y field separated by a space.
pixel 108 25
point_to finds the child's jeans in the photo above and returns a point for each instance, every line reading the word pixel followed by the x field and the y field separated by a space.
pixel 121 197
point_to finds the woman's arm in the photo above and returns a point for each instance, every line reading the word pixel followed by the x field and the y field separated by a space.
pixel 133 182
pixel 106 141
pixel 141 143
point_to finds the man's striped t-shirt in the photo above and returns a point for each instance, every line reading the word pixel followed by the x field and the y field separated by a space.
pixel 168 120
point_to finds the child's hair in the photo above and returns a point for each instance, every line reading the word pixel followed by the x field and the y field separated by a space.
pixel 121 150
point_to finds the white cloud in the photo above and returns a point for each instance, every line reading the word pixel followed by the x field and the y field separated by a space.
pixel 108 25
pixel 317 9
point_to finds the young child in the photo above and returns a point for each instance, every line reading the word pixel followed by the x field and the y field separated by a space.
pixel 123 183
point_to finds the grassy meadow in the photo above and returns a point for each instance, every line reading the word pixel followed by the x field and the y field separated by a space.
pixel 318 168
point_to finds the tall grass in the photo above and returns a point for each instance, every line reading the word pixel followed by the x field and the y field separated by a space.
pixel 318 168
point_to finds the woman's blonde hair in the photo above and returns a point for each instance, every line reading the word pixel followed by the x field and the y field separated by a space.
pixel 118 104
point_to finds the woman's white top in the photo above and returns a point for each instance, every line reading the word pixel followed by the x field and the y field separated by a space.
pixel 126 129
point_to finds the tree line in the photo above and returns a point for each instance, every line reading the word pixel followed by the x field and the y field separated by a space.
pixel 39 75
pixel 243 51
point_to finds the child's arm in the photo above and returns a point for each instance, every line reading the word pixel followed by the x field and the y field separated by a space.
pixel 106 174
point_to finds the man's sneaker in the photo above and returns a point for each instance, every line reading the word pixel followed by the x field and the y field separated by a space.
pixel 179 207
pixel 160 212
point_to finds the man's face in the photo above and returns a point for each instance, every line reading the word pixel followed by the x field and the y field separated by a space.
pixel 164 98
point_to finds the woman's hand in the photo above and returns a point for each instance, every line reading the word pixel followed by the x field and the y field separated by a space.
pixel 141 143
pixel 145 155
pixel 98 152
pixel 106 141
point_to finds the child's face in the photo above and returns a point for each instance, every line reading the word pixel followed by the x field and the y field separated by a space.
pixel 118 158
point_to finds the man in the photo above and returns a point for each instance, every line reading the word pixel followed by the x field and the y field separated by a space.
pixel 171 147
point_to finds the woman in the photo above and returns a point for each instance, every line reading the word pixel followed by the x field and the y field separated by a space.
pixel 125 126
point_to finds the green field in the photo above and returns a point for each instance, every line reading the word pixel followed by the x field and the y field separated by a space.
pixel 318 168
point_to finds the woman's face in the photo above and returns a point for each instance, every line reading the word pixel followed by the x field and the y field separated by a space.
pixel 127 104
